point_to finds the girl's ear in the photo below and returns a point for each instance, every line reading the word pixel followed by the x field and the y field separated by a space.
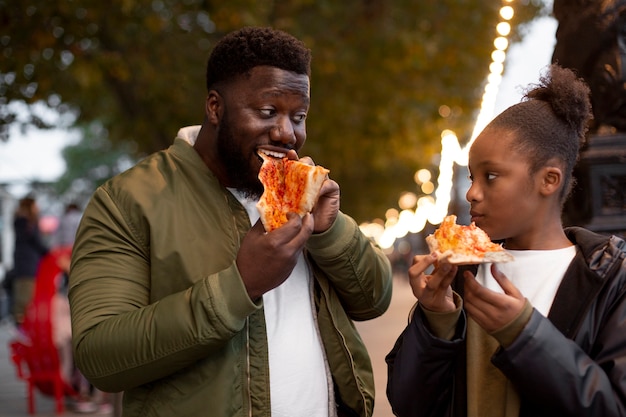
pixel 213 107
pixel 552 180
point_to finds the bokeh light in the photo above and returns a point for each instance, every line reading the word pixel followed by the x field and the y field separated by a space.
pixel 416 212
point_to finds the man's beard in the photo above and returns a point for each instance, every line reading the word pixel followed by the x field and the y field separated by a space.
pixel 237 167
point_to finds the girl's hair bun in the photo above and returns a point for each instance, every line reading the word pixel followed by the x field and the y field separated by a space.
pixel 567 94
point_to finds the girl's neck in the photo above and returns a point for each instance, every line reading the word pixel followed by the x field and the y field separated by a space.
pixel 546 239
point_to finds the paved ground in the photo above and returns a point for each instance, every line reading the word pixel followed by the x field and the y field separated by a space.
pixel 379 336
pixel 13 391
pixel 13 394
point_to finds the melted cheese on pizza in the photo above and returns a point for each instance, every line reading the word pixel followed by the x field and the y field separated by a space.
pixel 296 177
pixel 467 240
pixel 289 186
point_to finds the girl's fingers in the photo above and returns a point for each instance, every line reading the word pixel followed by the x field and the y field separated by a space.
pixel 492 310
pixel 444 273
pixel 506 285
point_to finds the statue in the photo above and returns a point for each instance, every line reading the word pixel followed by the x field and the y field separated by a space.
pixel 591 39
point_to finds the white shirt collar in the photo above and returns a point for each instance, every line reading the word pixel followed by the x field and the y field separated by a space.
pixel 189 133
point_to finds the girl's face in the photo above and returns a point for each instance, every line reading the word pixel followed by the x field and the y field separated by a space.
pixel 504 198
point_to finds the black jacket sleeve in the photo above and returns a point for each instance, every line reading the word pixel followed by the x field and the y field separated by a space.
pixel 555 376
pixel 421 369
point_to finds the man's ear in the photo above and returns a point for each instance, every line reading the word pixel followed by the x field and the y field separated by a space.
pixel 552 180
pixel 213 107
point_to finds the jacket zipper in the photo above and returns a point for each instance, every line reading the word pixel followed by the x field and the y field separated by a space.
pixel 248 372
pixel 248 377
pixel 346 349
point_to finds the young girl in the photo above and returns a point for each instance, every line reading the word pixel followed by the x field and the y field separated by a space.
pixel 544 335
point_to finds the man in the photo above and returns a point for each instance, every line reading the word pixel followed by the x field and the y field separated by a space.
pixel 179 297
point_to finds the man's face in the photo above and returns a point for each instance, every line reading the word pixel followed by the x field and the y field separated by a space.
pixel 265 109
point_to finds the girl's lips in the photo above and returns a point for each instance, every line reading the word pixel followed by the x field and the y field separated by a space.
pixel 475 216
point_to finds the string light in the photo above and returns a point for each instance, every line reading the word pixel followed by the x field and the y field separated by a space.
pixel 417 211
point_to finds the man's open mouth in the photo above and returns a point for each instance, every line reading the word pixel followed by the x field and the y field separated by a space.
pixel 273 154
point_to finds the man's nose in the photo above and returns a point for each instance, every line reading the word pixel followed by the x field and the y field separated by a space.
pixel 283 132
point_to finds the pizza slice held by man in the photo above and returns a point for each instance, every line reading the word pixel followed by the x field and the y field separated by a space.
pixel 289 186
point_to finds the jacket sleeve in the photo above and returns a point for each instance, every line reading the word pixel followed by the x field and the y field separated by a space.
pixel 554 375
pixel 421 369
pixel 121 337
pixel 358 270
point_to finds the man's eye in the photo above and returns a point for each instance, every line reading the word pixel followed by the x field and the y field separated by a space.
pixel 299 118
pixel 491 176
pixel 268 112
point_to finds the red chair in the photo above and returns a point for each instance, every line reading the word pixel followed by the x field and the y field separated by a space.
pixel 35 356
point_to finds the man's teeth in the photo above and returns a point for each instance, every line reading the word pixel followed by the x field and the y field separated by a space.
pixel 273 153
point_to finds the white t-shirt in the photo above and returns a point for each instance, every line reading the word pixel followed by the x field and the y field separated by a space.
pixel 536 273
pixel 298 380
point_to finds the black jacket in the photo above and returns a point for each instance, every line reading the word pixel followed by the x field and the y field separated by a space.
pixel 29 248
pixel 571 364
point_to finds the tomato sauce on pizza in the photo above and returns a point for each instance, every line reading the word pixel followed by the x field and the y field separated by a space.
pixel 289 186
pixel 460 244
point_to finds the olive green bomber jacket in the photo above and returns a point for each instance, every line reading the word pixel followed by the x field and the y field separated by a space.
pixel 160 312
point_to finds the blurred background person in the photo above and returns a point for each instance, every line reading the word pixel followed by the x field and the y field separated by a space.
pixel 65 234
pixel 68 224
pixel 29 250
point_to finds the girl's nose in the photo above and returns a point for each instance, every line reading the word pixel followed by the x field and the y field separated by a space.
pixel 472 193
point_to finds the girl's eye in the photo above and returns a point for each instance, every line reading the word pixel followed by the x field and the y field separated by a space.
pixel 489 176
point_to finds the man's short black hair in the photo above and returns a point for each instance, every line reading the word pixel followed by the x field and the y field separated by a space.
pixel 240 51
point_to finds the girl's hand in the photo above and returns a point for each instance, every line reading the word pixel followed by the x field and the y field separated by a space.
pixel 432 291
pixel 491 310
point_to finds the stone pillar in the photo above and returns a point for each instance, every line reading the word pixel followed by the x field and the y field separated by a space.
pixel 598 201
pixel 591 39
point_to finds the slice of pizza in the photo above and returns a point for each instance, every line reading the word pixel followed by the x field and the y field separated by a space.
pixel 289 186
pixel 464 245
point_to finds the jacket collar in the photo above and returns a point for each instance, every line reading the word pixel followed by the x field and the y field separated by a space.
pixel 189 134
pixel 582 281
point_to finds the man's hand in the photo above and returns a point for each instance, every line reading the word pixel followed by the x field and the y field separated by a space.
pixel 327 207
pixel 432 291
pixel 265 260
pixel 491 310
